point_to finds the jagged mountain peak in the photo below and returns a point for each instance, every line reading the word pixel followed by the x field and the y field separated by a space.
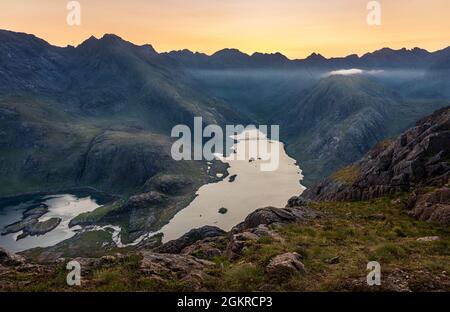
pixel 111 41
pixel 403 51
pixel 315 57
pixel 270 57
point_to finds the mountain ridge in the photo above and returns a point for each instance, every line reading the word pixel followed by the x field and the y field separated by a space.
pixel 384 52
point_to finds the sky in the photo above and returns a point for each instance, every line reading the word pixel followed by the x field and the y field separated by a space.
pixel 295 28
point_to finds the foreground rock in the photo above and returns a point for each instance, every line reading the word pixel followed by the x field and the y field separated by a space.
pixel 176 246
pixel 208 248
pixel 256 226
pixel 169 267
pixel 285 265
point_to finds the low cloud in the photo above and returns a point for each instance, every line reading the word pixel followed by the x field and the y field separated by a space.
pixel 346 72
pixel 353 71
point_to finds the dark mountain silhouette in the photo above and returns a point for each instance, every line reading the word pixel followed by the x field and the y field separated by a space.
pixel 383 58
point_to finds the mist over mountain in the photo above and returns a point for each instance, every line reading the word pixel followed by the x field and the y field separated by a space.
pixel 331 111
pixel 341 117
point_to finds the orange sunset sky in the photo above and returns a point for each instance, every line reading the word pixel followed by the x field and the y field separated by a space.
pixel 295 28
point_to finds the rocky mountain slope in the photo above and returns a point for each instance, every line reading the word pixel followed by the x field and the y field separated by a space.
pixel 418 161
pixel 99 115
pixel 323 247
pixel 341 118
pixel 70 113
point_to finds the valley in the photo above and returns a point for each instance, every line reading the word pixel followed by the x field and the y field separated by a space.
pixel 100 116
pixel 384 211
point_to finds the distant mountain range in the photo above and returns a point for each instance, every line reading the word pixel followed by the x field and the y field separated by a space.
pixel 383 58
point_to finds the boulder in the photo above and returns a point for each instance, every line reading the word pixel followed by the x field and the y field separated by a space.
pixel 286 265
pixel 239 241
pixel 205 249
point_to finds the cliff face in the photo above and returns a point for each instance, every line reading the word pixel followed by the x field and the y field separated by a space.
pixel 418 159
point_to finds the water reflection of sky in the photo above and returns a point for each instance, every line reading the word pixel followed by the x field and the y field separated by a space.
pixel 64 206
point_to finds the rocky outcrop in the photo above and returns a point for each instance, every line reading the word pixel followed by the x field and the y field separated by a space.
pixel 256 226
pixel 239 242
pixel 433 206
pixel 419 157
pixel 271 215
pixel 208 248
pixel 176 246
pixel 209 242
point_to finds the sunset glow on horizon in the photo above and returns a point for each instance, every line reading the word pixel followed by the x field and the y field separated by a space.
pixel 295 28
